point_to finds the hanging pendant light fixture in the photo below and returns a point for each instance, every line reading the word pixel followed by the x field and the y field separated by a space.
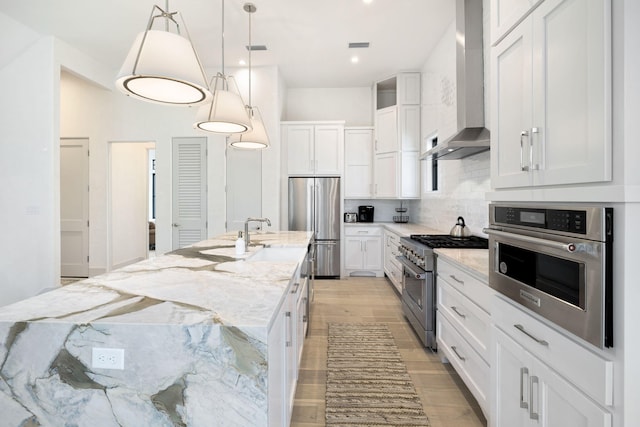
pixel 256 138
pixel 227 112
pixel 163 67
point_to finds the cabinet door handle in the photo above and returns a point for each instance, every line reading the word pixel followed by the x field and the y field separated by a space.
pixel 289 341
pixel 533 337
pixel 523 403
pixel 454 308
pixel 534 131
pixel 522 165
pixel 533 382
pixel 455 350
pixel 456 279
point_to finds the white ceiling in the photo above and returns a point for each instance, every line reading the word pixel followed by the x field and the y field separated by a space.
pixel 306 39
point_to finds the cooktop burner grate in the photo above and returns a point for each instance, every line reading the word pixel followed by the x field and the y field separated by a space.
pixel 435 241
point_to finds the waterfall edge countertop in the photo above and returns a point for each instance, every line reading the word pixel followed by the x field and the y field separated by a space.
pixel 194 327
pixel 187 285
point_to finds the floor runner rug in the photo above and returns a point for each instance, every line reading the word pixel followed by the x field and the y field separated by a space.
pixel 367 380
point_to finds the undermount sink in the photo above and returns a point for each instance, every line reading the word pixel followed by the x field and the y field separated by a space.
pixel 270 254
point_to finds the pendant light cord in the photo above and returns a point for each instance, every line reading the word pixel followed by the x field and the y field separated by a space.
pixel 223 37
pixel 250 49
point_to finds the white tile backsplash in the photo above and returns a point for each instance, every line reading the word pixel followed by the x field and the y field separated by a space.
pixel 462 187
pixel 384 210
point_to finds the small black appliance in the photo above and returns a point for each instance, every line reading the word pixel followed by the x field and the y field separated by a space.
pixel 365 213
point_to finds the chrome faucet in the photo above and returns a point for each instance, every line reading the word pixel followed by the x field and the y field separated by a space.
pixel 246 228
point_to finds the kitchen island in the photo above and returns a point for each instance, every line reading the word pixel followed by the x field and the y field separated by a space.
pixel 197 327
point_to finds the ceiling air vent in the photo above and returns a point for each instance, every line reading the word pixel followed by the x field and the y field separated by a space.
pixel 256 47
pixel 358 45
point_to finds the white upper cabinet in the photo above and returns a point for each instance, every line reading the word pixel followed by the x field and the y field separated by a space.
pixel 314 149
pixel 551 97
pixel 505 14
pixel 397 137
pixel 358 162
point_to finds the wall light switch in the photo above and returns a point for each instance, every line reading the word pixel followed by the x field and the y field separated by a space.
pixel 107 358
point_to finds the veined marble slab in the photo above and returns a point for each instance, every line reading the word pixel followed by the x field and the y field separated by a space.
pixel 193 323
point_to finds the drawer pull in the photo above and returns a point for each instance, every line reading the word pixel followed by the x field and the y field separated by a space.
pixel 455 350
pixel 456 279
pixel 536 339
pixel 454 308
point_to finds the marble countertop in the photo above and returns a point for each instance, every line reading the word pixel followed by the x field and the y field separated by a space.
pixel 474 261
pixel 403 229
pixel 203 283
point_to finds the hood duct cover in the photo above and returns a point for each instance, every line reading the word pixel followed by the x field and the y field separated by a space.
pixel 472 137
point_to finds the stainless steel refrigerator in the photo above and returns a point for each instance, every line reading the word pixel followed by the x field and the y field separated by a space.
pixel 314 205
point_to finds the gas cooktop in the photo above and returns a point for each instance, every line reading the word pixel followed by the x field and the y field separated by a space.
pixel 446 241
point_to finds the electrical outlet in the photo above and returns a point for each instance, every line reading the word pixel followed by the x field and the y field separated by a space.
pixel 107 358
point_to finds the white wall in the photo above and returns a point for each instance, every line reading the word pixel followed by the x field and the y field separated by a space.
pixel 353 105
pixel 30 244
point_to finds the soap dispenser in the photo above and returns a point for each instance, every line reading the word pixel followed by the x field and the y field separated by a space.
pixel 240 244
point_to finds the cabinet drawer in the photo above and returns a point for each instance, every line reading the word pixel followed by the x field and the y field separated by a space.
pixel 587 370
pixel 358 230
pixel 473 370
pixel 470 320
pixel 476 290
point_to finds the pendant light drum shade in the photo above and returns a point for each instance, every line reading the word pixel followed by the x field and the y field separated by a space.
pixel 227 112
pixel 254 139
pixel 163 67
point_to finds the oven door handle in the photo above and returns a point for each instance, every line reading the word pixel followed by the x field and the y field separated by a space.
pixel 568 247
pixel 408 267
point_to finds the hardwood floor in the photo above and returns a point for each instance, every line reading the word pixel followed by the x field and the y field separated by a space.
pixel 447 402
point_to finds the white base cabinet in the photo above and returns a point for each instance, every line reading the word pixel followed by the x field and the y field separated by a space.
pixel 363 251
pixel 463 327
pixel 285 345
pixel 541 377
pixel 528 393
pixel 392 267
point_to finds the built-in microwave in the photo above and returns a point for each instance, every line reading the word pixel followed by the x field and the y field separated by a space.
pixel 556 261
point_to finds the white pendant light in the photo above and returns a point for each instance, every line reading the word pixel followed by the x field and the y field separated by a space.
pixel 227 112
pixel 163 67
pixel 257 138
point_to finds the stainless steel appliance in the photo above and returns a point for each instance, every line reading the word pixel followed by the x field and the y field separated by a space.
pixel 314 205
pixel 350 217
pixel 556 260
pixel 418 281
pixel 365 213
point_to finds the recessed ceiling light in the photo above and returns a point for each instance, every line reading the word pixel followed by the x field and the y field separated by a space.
pixel 367 1
pixel 354 59
pixel 242 62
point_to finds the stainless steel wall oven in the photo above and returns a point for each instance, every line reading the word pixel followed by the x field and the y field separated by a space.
pixel 556 261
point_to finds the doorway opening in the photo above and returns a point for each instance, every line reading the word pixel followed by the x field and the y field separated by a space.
pixel 130 207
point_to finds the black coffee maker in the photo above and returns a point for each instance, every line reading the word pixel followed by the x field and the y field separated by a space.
pixel 365 213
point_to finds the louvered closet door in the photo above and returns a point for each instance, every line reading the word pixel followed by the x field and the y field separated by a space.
pixel 189 191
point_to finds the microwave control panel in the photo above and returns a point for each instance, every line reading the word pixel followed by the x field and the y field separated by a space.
pixel 571 221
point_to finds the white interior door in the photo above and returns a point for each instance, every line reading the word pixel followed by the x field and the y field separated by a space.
pixel 189 192
pixel 74 207
pixel 128 200
pixel 244 187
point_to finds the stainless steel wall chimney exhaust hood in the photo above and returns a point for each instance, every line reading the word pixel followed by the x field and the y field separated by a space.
pixel 472 136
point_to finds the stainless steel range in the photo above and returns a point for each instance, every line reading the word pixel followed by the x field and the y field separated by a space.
pixel 418 282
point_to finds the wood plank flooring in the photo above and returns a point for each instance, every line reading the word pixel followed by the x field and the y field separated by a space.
pixel 447 402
